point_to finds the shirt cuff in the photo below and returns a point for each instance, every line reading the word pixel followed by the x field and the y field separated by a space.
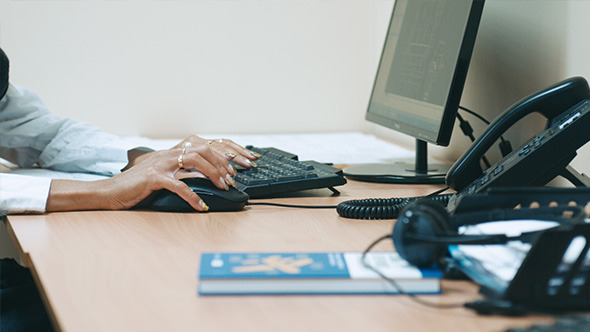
pixel 23 194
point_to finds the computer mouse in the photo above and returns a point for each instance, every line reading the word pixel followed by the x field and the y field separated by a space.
pixel 217 199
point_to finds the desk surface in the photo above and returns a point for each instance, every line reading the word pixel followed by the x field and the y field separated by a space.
pixel 137 270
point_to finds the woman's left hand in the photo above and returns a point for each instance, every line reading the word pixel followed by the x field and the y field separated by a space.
pixel 226 148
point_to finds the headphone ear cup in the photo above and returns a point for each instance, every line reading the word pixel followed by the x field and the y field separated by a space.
pixel 425 218
pixel 441 219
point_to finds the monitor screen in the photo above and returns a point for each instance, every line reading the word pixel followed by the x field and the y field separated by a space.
pixel 423 67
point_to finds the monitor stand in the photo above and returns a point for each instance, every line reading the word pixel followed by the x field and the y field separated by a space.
pixel 419 173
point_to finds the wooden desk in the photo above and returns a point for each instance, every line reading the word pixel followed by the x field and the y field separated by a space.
pixel 137 270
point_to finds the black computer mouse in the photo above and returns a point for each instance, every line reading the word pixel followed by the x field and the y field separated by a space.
pixel 217 199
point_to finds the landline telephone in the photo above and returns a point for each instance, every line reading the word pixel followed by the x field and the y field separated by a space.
pixel 565 105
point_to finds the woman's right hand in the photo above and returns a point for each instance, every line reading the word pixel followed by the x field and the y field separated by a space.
pixel 154 171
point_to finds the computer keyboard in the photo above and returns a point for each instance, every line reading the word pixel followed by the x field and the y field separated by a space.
pixel 281 172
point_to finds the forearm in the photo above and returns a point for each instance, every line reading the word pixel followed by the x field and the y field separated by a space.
pixel 71 195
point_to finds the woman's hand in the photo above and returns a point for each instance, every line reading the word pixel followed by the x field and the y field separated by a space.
pixel 154 171
pixel 226 148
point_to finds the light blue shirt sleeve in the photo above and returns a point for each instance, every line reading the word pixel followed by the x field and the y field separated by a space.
pixel 31 136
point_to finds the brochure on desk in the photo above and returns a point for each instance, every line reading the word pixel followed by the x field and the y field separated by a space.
pixel 311 273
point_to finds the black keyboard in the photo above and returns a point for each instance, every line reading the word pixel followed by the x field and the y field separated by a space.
pixel 281 172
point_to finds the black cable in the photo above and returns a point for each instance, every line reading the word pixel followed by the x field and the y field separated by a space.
pixel 395 284
pixel 373 208
pixel 505 146
pixel 295 206
pixel 468 131
pixel 484 120
pixel 370 208
pixel 384 208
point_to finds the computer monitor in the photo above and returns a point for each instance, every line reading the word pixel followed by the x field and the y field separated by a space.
pixel 420 80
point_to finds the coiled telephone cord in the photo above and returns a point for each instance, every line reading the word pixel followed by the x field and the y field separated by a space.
pixel 382 208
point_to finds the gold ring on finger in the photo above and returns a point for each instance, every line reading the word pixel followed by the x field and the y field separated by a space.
pixel 180 161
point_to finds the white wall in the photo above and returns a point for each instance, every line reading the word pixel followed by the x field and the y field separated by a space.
pixel 172 68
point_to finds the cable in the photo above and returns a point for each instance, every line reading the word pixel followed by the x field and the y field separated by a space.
pixel 295 206
pixel 370 208
pixel 484 120
pixel 468 131
pixel 395 284
pixel 505 146
pixel 384 208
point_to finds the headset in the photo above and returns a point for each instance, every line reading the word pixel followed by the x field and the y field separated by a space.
pixel 424 228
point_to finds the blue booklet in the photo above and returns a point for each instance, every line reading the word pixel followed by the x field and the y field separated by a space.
pixel 312 273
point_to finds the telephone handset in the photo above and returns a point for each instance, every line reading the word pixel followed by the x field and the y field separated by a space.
pixel 566 106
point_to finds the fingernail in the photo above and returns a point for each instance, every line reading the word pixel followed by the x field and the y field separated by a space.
pixel 204 206
pixel 253 164
pixel 230 180
pixel 225 185
pixel 257 155
pixel 232 170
